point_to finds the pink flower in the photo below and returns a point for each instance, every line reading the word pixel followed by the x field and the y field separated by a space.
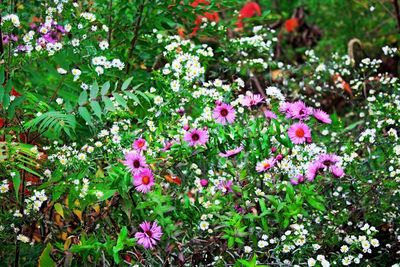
pixel 328 159
pixel 203 182
pixel 322 116
pixel 299 110
pixel 231 153
pixel 226 186
pixel 196 137
pixel 140 144
pixel 313 170
pixel 299 179
pixel 224 113
pixel 299 132
pixel 337 171
pixel 150 236
pixel 143 180
pixel 134 161
pixel 269 114
pixel 265 165
pixel 251 100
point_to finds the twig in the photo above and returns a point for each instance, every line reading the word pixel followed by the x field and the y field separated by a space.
pixel 258 85
pixel 110 21
pixel 397 9
pixel 135 35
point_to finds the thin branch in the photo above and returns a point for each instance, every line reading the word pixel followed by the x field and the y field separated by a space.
pixel 135 35
pixel 397 9
pixel 110 21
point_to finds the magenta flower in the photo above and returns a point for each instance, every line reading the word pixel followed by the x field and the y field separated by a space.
pixel 337 171
pixel 269 114
pixel 134 161
pixel 299 110
pixel 224 113
pixel 140 144
pixel 299 132
pixel 299 179
pixel 226 186
pixel 231 153
pixel 150 236
pixel 322 116
pixel 143 180
pixel 313 169
pixel 265 165
pixel 328 159
pixel 251 100
pixel 196 137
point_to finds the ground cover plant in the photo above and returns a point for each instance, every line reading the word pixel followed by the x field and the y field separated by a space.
pixel 199 133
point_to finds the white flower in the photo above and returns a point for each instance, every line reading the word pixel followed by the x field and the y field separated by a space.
pixel 103 45
pixel 247 249
pixel 344 249
pixel 374 242
pixel 262 244
pixel 23 238
pixel 82 156
pixel 311 262
pixel 59 101
pixel 204 225
pixel 346 261
pixel 99 194
pixel 61 71
pixel 99 70
pixel 158 100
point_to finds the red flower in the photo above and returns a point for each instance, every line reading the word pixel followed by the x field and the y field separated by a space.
pixel 14 93
pixel 209 16
pixel 249 10
pixel 198 2
pixel 2 122
pixel 291 24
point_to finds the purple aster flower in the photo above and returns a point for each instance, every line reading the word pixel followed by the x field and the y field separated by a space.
pixel 196 137
pixel 143 180
pixel 150 235
pixel 231 153
pixel 322 116
pixel 226 186
pixel 251 100
pixel 134 161
pixel 224 113
pixel 313 169
pixel 299 132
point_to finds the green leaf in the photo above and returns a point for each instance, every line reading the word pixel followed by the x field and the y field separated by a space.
pixel 83 98
pixel 85 114
pixel 315 203
pixel 59 209
pixel 126 83
pixel 16 182
pixel 2 76
pixel 94 90
pixel 105 88
pixel 45 259
pixel 121 100
pixel 108 103
pixel 96 108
